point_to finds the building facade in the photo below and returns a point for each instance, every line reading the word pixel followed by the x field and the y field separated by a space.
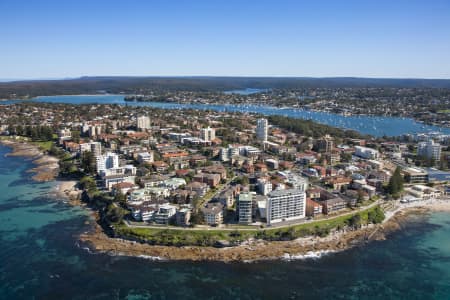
pixel 430 150
pixel 367 153
pixel 262 129
pixel 208 134
pixel 143 123
pixel 285 205
pixel 213 213
pixel 108 161
pixel 325 144
pixel 245 208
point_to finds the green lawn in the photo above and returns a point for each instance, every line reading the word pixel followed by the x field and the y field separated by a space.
pixel 181 237
pixel 44 146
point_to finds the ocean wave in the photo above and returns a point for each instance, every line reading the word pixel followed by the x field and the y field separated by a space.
pixel 154 258
pixel 147 257
pixel 308 255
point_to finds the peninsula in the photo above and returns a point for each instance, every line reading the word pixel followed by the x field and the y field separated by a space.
pixel 225 186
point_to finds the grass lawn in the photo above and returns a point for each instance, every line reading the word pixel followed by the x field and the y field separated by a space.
pixel 44 146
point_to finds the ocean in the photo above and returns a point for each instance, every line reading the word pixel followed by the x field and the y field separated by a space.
pixel 41 259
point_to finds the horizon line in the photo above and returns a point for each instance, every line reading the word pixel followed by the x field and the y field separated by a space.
pixel 3 80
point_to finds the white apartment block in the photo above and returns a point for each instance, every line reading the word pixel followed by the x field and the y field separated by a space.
pixel 245 208
pixel 108 161
pixel 430 150
pixel 367 153
pixel 285 205
pixel 145 157
pixel 143 123
pixel 208 134
pixel 262 129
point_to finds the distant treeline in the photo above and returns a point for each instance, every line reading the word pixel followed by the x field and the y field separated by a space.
pixel 311 128
pixel 134 85
pixel 36 133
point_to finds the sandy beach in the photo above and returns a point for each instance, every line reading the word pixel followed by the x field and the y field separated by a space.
pixel 67 189
pixel 47 167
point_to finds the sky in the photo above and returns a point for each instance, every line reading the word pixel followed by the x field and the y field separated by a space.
pixel 361 38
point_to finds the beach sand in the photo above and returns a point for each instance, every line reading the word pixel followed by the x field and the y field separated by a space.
pixel 47 167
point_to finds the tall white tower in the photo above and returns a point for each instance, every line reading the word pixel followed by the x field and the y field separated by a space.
pixel 262 128
pixel 143 123
pixel 208 134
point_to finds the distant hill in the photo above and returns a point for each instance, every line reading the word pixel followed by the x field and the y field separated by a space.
pixel 91 85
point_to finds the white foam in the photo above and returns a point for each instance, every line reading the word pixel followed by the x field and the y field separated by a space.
pixel 308 255
pixel 148 257
pixel 154 258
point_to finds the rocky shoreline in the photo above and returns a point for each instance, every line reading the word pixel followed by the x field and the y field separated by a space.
pixel 47 166
pixel 252 250
pixel 255 250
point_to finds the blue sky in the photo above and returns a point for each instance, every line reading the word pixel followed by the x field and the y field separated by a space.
pixel 55 39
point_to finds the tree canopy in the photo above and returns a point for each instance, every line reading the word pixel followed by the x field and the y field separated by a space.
pixel 396 182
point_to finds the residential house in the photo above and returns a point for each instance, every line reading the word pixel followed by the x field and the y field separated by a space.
pixel 213 213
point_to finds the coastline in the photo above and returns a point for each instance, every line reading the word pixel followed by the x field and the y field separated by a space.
pixel 253 250
pixel 258 250
pixel 47 166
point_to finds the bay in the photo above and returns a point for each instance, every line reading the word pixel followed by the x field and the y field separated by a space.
pixel 373 125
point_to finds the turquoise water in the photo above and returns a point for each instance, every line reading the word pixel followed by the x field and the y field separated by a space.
pixel 41 259
pixel 376 126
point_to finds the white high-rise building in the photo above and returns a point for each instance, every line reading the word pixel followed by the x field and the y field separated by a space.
pixel 285 205
pixel 108 161
pixel 95 130
pixel 208 134
pixel 143 123
pixel 245 208
pixel 96 148
pixel 430 150
pixel 262 128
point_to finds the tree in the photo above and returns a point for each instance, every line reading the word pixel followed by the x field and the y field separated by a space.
pixel 346 157
pixel 360 198
pixel 88 183
pixel 242 180
pixel 76 136
pixel 396 182
pixel 88 162
pixel 120 197
pixel 376 215
pixel 115 214
pixel 66 167
pixel 197 217
pixel 355 221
